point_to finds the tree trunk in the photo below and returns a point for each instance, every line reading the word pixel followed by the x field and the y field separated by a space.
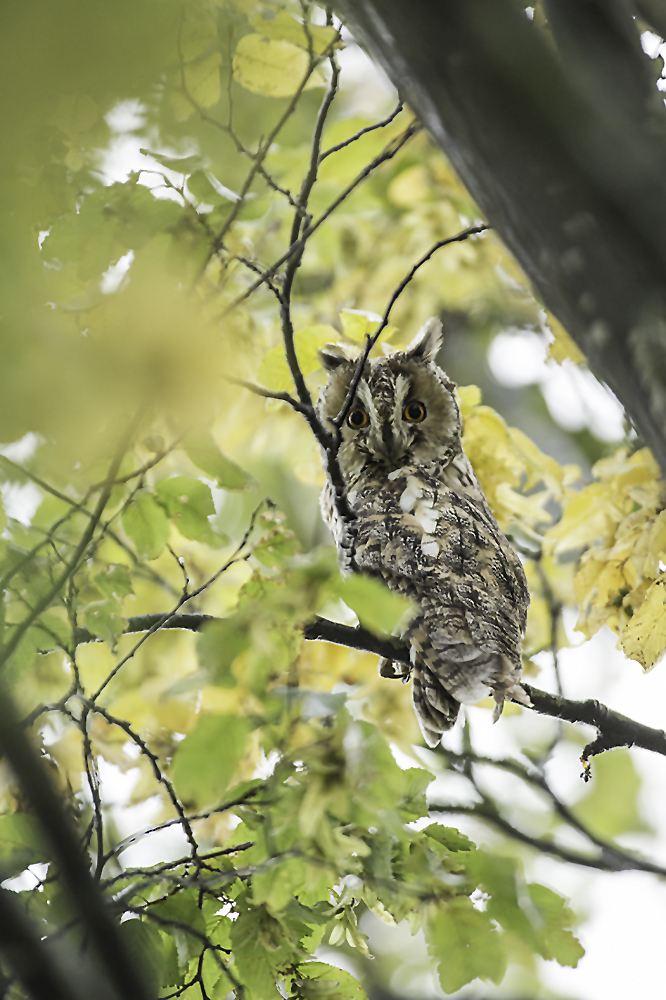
pixel 563 146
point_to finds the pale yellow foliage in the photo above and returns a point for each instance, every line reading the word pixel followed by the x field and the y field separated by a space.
pixel 620 521
pixel 517 477
pixel 562 347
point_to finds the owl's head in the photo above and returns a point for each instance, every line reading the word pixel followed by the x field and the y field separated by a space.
pixel 405 409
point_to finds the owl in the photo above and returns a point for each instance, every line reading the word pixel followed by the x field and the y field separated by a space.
pixel 423 526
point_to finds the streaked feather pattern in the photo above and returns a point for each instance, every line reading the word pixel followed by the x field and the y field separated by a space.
pixel 424 526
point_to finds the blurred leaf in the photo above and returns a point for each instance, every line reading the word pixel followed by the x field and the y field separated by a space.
pixel 180 164
pixel 562 347
pixel 202 80
pixel 145 522
pixel 146 947
pixel 465 944
pixel 114 581
pixel 561 944
pixel 610 808
pixel 257 953
pixel 218 645
pixel 376 607
pixel 204 453
pixel 189 503
pixel 206 760
pixel 104 620
pixel 272 67
pixel 281 25
pixel 319 981
pixel 75 113
pixel 274 371
pixel 21 843
pixel 184 911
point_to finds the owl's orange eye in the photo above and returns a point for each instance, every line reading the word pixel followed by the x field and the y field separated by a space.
pixel 357 418
pixel 414 412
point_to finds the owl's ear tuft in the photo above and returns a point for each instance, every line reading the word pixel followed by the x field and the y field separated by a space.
pixel 427 341
pixel 332 356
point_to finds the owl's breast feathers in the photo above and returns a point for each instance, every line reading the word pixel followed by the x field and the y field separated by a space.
pixel 434 538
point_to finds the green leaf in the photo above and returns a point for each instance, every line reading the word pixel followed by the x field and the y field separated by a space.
pixel 104 620
pixel 449 837
pixel 21 843
pixel 114 581
pixel 202 450
pixel 59 628
pixel 611 805
pixel 206 760
pixel 466 945
pixel 180 164
pixel 274 371
pixel 270 67
pixel 278 883
pixel 202 80
pixel 218 645
pixel 183 909
pixel 281 25
pixel 204 186
pixel 558 941
pixel 319 981
pixel 257 954
pixel 147 525
pixel 376 607
pixel 188 502
pixel 146 947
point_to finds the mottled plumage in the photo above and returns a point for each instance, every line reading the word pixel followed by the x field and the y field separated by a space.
pixel 424 526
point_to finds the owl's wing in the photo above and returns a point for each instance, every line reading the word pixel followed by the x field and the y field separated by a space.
pixel 442 548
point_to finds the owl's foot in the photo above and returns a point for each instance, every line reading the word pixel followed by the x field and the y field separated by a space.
pixel 394 671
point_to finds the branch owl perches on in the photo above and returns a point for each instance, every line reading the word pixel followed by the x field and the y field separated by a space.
pixel 423 525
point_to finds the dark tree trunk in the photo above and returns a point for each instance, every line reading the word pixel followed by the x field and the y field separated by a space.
pixel 563 146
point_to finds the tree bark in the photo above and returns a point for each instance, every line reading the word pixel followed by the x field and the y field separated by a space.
pixel 561 140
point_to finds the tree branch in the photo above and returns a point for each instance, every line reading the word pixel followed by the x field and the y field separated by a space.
pixel 562 147
pixel 613 729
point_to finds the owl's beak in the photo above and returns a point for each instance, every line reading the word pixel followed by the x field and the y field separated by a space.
pixel 392 448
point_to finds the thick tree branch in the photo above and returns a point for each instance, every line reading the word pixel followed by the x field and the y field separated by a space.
pixel 563 148
pixel 613 729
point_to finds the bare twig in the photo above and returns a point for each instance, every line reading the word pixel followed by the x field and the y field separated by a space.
pixel 363 131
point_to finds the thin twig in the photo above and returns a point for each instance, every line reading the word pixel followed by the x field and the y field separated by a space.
pixel 363 131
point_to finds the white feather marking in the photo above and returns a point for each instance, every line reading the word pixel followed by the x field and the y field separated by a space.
pixel 396 474
pixel 426 517
pixel 412 493
pixel 429 546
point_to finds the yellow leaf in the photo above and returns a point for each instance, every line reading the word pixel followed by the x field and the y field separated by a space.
pixel 410 187
pixel 284 27
pixel 271 67
pixel 562 347
pixel 274 371
pixel 469 396
pixel 588 516
pixel 644 638
pixel 202 80
pixel 357 324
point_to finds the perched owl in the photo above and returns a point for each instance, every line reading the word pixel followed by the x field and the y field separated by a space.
pixel 424 526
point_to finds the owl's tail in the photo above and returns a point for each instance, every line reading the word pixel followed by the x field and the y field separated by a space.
pixel 436 710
